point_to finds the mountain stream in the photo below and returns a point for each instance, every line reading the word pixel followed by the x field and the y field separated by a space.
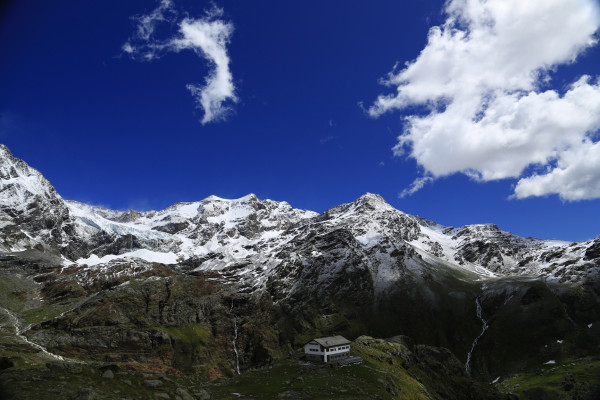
pixel 483 329
pixel 14 321
pixel 235 335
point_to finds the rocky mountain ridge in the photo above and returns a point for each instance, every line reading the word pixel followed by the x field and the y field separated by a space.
pixel 221 234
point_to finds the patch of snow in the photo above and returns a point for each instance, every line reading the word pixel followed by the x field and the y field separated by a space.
pixel 268 235
pixel 188 210
pixel 550 362
pixel 146 255
pixel 212 197
pixel 370 238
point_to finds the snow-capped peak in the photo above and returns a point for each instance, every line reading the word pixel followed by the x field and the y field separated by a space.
pixel 19 183
pixel 254 236
pixel 31 212
pixel 373 200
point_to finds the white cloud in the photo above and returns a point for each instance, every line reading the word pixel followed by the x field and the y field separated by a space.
pixel 147 23
pixel 207 36
pixel 482 80
pixel 415 186
pixel 576 176
pixel 142 43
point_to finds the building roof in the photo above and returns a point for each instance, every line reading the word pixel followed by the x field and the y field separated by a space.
pixel 332 341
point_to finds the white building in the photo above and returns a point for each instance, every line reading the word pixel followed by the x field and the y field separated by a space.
pixel 327 349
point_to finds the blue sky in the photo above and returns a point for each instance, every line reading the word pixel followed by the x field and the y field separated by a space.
pixel 312 123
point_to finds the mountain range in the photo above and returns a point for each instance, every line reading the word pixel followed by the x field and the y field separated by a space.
pixel 218 287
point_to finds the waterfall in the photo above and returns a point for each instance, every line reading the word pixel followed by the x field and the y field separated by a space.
pixel 235 335
pixel 19 333
pixel 237 356
pixel 483 329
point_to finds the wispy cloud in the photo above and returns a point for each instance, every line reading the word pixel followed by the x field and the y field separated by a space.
pixel 326 139
pixel 482 80
pixel 415 186
pixel 207 36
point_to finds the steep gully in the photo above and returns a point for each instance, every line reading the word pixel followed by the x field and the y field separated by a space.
pixel 483 329
pixel 235 335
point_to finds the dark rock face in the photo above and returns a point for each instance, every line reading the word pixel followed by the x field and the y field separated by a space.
pixel 172 227
pixel 593 252
pixel 483 253
pixel 179 322
pixel 531 322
